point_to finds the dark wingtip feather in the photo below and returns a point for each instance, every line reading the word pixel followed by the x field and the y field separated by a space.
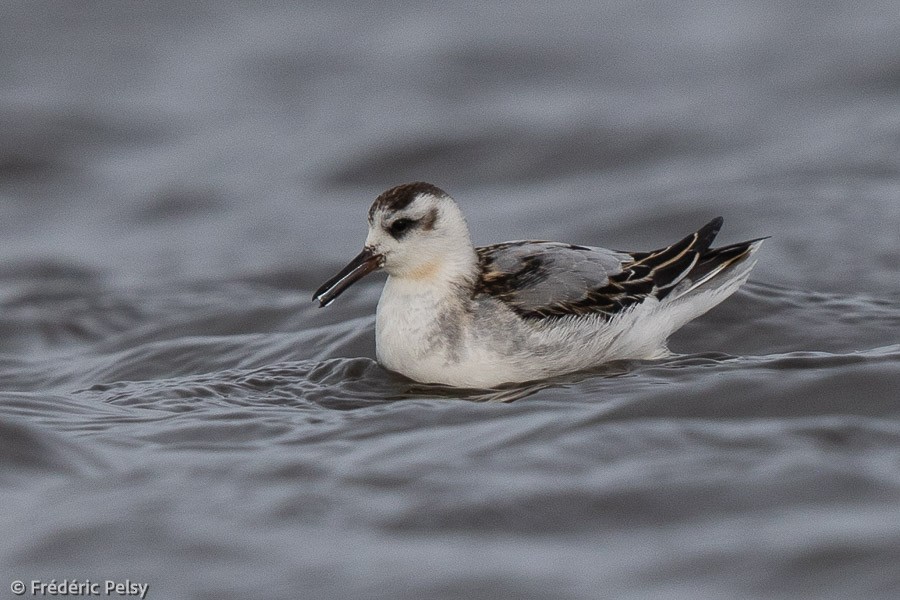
pixel 723 258
pixel 708 233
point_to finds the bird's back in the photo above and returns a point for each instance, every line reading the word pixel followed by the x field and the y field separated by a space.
pixel 546 280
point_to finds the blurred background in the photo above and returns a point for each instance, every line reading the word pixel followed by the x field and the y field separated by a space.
pixel 176 178
pixel 169 139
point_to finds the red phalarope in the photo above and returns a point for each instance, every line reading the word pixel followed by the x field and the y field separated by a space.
pixel 458 315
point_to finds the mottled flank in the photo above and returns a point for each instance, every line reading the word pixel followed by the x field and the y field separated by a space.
pixel 638 276
pixel 398 198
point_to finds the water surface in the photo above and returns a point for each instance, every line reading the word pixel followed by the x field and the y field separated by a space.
pixel 176 179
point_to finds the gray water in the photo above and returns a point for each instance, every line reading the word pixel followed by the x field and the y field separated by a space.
pixel 176 178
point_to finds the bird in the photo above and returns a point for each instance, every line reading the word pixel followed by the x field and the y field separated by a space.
pixel 522 311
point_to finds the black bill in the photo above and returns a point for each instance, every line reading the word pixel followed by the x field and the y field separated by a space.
pixel 364 263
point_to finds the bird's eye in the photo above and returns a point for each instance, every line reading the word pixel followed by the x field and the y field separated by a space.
pixel 401 226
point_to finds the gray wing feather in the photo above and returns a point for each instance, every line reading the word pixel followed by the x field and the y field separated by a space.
pixel 536 276
pixel 552 279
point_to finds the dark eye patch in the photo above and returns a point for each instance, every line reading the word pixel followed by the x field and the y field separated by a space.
pixel 400 227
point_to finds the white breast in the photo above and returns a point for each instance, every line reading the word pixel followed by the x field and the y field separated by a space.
pixel 406 328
